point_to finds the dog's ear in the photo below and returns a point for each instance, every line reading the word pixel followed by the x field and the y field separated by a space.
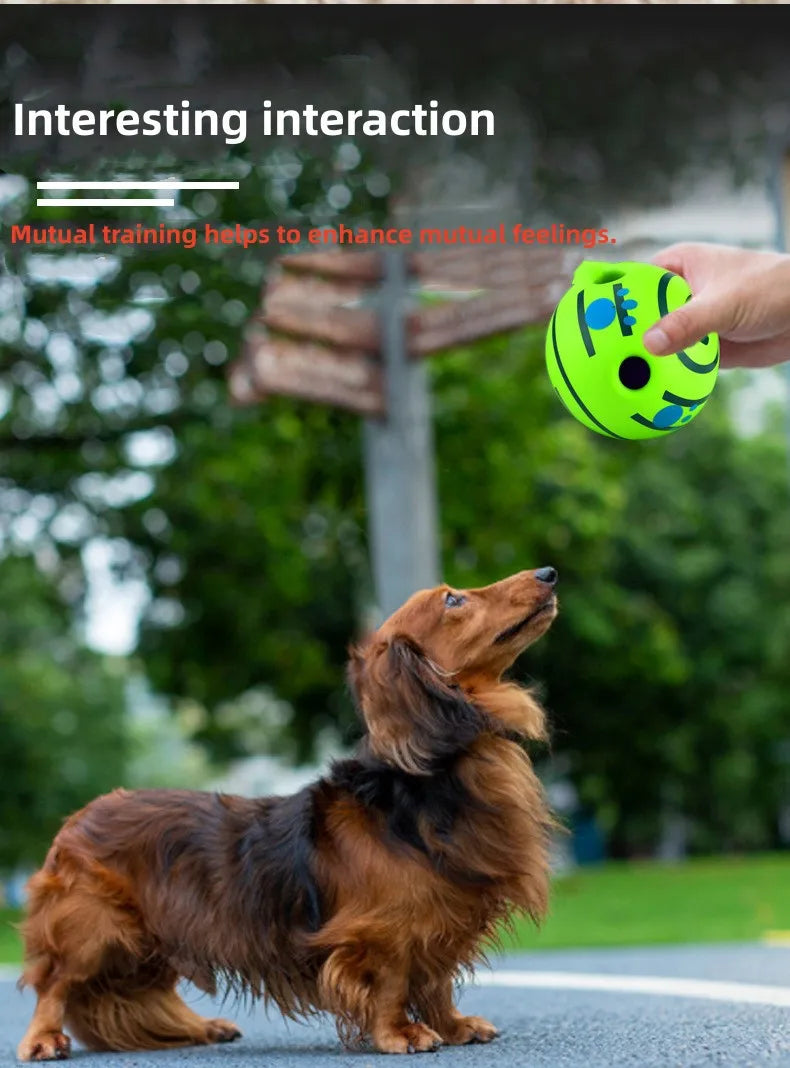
pixel 415 717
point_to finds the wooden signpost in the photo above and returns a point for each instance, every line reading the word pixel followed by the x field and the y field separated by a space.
pixel 351 328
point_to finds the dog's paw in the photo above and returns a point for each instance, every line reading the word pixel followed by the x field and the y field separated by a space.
pixel 44 1046
pixel 221 1031
pixel 465 1029
pixel 413 1038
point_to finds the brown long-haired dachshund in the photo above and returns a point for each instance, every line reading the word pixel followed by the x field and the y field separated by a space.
pixel 364 895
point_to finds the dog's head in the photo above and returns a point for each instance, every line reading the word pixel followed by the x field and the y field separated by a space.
pixel 427 682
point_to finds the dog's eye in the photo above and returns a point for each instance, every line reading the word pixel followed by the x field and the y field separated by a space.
pixel 454 600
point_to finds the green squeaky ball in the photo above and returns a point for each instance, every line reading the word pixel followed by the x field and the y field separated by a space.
pixel 599 367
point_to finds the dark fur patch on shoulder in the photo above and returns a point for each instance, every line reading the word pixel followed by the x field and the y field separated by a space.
pixel 408 802
pixel 276 861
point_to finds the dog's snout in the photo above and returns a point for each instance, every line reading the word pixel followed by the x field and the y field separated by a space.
pixel 547 575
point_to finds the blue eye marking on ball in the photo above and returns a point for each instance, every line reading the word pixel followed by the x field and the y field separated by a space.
pixel 666 418
pixel 600 314
pixel 682 355
pixel 603 311
pixel 581 318
pixel 662 420
pixel 623 307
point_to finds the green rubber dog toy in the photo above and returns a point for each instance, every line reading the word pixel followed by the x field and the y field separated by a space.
pixel 599 367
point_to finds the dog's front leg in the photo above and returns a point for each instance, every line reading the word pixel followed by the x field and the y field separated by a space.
pixel 367 989
pixel 391 1029
pixel 45 1040
pixel 436 1006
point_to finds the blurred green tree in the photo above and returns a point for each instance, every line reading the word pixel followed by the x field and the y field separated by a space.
pixel 665 672
pixel 61 715
pixel 115 424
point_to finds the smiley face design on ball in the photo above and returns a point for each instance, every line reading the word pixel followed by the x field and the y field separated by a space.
pixel 601 370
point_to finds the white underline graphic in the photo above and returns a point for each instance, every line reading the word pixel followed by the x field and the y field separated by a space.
pixel 169 183
pixel 104 202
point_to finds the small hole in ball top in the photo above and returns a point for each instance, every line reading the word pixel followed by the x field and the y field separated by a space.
pixel 634 372
pixel 608 274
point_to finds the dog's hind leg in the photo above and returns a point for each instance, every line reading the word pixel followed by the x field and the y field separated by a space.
pixel 95 970
pixel 67 933
pixel 135 1015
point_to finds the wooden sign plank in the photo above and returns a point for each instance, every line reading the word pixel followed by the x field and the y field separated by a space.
pixel 355 328
pixel 349 379
pixel 444 325
pixel 462 263
pixel 430 258
pixel 490 269
pixel 343 263
pixel 327 309
pixel 289 288
pixel 321 309
pixel 458 262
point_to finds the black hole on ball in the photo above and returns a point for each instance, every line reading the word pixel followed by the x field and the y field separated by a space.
pixel 609 274
pixel 634 372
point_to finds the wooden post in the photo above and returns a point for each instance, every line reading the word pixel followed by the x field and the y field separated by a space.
pixel 399 464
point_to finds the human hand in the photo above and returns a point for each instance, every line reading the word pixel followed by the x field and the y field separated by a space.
pixel 741 295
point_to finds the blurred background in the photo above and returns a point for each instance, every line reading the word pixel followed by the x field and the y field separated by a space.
pixel 180 577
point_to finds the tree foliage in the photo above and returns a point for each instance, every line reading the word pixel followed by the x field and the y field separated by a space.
pixel 665 672
pixel 61 715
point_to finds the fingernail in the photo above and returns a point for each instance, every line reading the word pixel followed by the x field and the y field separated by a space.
pixel 656 341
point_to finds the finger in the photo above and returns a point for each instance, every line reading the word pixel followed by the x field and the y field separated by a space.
pixel 683 327
pixel 755 353
pixel 674 257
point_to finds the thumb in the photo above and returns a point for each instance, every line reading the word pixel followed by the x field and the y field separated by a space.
pixel 683 327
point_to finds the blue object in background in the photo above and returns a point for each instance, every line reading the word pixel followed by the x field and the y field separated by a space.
pixel 589 845
pixel 12 890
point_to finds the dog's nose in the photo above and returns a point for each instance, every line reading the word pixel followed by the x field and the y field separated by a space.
pixel 547 574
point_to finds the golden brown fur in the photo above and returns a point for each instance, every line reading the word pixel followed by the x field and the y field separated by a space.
pixel 365 895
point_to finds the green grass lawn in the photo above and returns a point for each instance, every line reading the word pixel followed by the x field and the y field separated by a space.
pixel 717 900
pixel 10 946
pixel 713 900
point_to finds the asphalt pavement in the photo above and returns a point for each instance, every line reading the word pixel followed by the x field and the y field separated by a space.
pixel 674 1007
